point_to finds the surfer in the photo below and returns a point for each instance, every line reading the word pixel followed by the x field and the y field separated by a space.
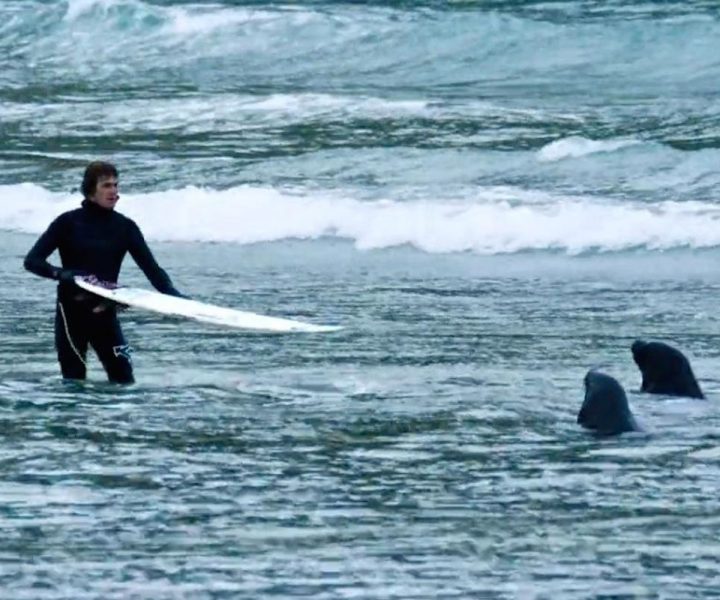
pixel 93 240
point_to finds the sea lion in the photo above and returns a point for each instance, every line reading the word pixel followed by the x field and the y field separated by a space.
pixel 605 409
pixel 665 370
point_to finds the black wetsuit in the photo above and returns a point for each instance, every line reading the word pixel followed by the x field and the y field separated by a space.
pixel 92 241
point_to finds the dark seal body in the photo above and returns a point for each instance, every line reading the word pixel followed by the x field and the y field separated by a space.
pixel 665 370
pixel 605 409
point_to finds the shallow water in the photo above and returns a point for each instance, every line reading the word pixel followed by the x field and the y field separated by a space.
pixel 427 450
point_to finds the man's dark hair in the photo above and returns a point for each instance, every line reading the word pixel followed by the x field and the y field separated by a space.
pixel 94 171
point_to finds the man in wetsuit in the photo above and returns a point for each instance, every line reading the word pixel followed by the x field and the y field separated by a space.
pixel 93 240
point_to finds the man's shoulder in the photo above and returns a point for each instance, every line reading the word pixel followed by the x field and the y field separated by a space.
pixel 124 222
pixel 121 218
pixel 68 215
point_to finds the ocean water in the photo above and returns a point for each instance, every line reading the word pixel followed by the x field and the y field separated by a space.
pixel 491 198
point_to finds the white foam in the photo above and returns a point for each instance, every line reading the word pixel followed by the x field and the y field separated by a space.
pixel 190 20
pixel 77 8
pixel 575 147
pixel 193 114
pixel 184 21
pixel 491 221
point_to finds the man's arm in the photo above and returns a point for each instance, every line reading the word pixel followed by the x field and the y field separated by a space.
pixel 36 260
pixel 141 254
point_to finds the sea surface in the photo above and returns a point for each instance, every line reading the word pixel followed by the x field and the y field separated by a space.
pixel 490 197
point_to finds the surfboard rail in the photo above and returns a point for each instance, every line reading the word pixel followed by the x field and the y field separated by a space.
pixel 157 302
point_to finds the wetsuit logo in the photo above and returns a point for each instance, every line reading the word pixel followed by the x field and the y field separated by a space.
pixel 123 351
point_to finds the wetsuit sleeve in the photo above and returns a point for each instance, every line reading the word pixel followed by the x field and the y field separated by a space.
pixel 36 260
pixel 141 254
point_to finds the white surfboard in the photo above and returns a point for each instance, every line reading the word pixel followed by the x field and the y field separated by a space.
pixel 199 311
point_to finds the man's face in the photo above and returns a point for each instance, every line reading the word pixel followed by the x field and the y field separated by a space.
pixel 106 192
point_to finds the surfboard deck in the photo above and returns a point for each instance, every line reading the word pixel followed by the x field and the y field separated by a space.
pixel 199 311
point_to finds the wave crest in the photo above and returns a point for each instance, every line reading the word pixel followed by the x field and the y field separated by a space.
pixel 496 221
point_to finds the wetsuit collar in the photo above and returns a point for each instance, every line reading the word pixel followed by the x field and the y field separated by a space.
pixel 95 209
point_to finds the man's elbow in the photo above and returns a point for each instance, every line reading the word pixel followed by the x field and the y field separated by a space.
pixel 33 265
